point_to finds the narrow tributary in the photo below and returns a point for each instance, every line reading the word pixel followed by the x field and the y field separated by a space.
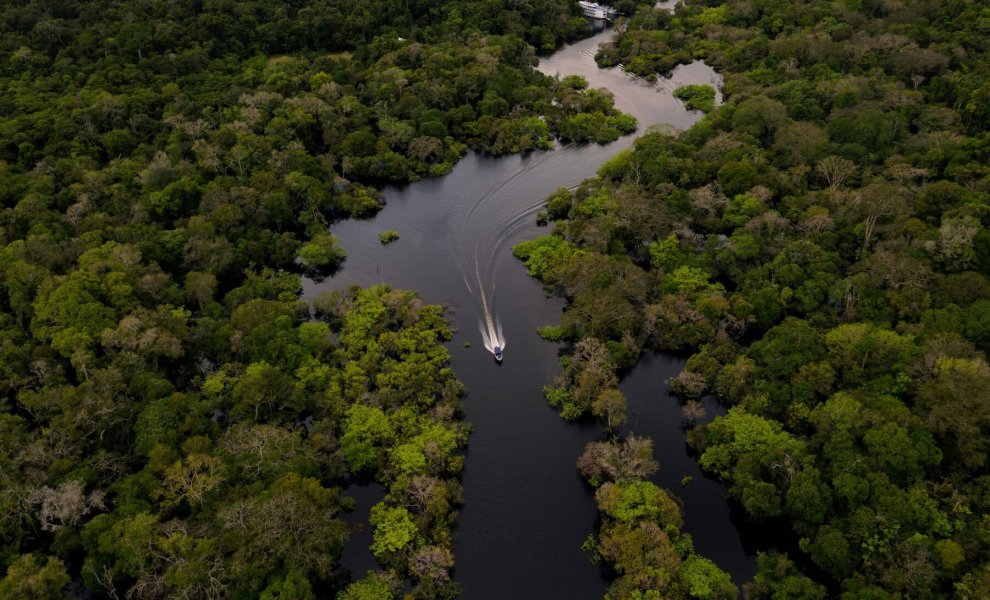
pixel 526 511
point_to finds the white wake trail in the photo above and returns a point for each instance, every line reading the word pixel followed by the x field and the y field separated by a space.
pixel 488 324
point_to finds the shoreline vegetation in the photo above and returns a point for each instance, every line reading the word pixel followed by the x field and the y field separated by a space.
pixel 173 420
pixel 819 246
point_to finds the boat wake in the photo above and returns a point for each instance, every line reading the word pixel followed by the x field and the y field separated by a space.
pixel 491 334
pixel 489 226
pixel 494 207
pixel 488 323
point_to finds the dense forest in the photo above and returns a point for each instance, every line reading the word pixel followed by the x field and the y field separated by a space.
pixel 819 247
pixel 174 422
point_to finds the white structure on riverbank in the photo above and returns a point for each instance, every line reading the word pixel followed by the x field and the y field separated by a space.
pixel 593 10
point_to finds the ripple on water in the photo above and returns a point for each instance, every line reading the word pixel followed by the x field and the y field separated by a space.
pixel 526 510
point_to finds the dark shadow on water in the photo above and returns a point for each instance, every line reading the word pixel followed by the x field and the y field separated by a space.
pixel 356 559
pixel 526 510
pixel 719 529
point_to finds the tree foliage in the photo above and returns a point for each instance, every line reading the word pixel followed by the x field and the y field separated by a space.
pixel 817 248
pixel 173 422
pixel 640 534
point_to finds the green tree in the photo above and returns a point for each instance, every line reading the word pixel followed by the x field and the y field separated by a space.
pixel 394 530
pixel 29 578
pixel 705 580
pixel 294 586
pixel 367 430
pixel 610 405
pixel 374 586
pixel 321 254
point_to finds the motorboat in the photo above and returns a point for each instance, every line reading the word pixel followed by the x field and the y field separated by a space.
pixel 498 353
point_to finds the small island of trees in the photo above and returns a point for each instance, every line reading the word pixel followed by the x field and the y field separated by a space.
pixel 819 246
pixel 175 422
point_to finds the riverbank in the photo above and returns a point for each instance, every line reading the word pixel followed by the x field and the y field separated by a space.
pixel 526 510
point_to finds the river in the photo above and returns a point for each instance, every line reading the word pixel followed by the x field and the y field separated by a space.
pixel 526 511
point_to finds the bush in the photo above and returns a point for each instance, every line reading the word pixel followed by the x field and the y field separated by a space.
pixel 697 97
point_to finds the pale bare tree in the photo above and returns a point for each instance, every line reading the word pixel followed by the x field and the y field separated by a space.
pixel 771 226
pixel 192 479
pixel 421 490
pixel 955 239
pixel 627 460
pixel 904 172
pixel 78 210
pixel 689 383
pixel 878 204
pixel 210 157
pixel 103 575
pixel 692 410
pixel 708 201
pixel 261 450
pixel 594 372
pixel 897 270
pixel 432 563
pixel 836 170
pixel 65 505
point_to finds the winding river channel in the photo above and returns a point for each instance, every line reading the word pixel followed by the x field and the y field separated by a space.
pixel 526 511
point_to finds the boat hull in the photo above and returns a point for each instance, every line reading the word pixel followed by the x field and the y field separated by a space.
pixel 596 11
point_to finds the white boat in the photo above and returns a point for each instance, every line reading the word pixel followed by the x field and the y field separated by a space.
pixel 498 353
pixel 593 10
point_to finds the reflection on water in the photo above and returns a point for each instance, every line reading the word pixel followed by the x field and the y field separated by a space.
pixel 356 559
pixel 526 510
pixel 711 520
pixel 651 103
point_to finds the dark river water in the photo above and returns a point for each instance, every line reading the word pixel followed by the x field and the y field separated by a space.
pixel 526 511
